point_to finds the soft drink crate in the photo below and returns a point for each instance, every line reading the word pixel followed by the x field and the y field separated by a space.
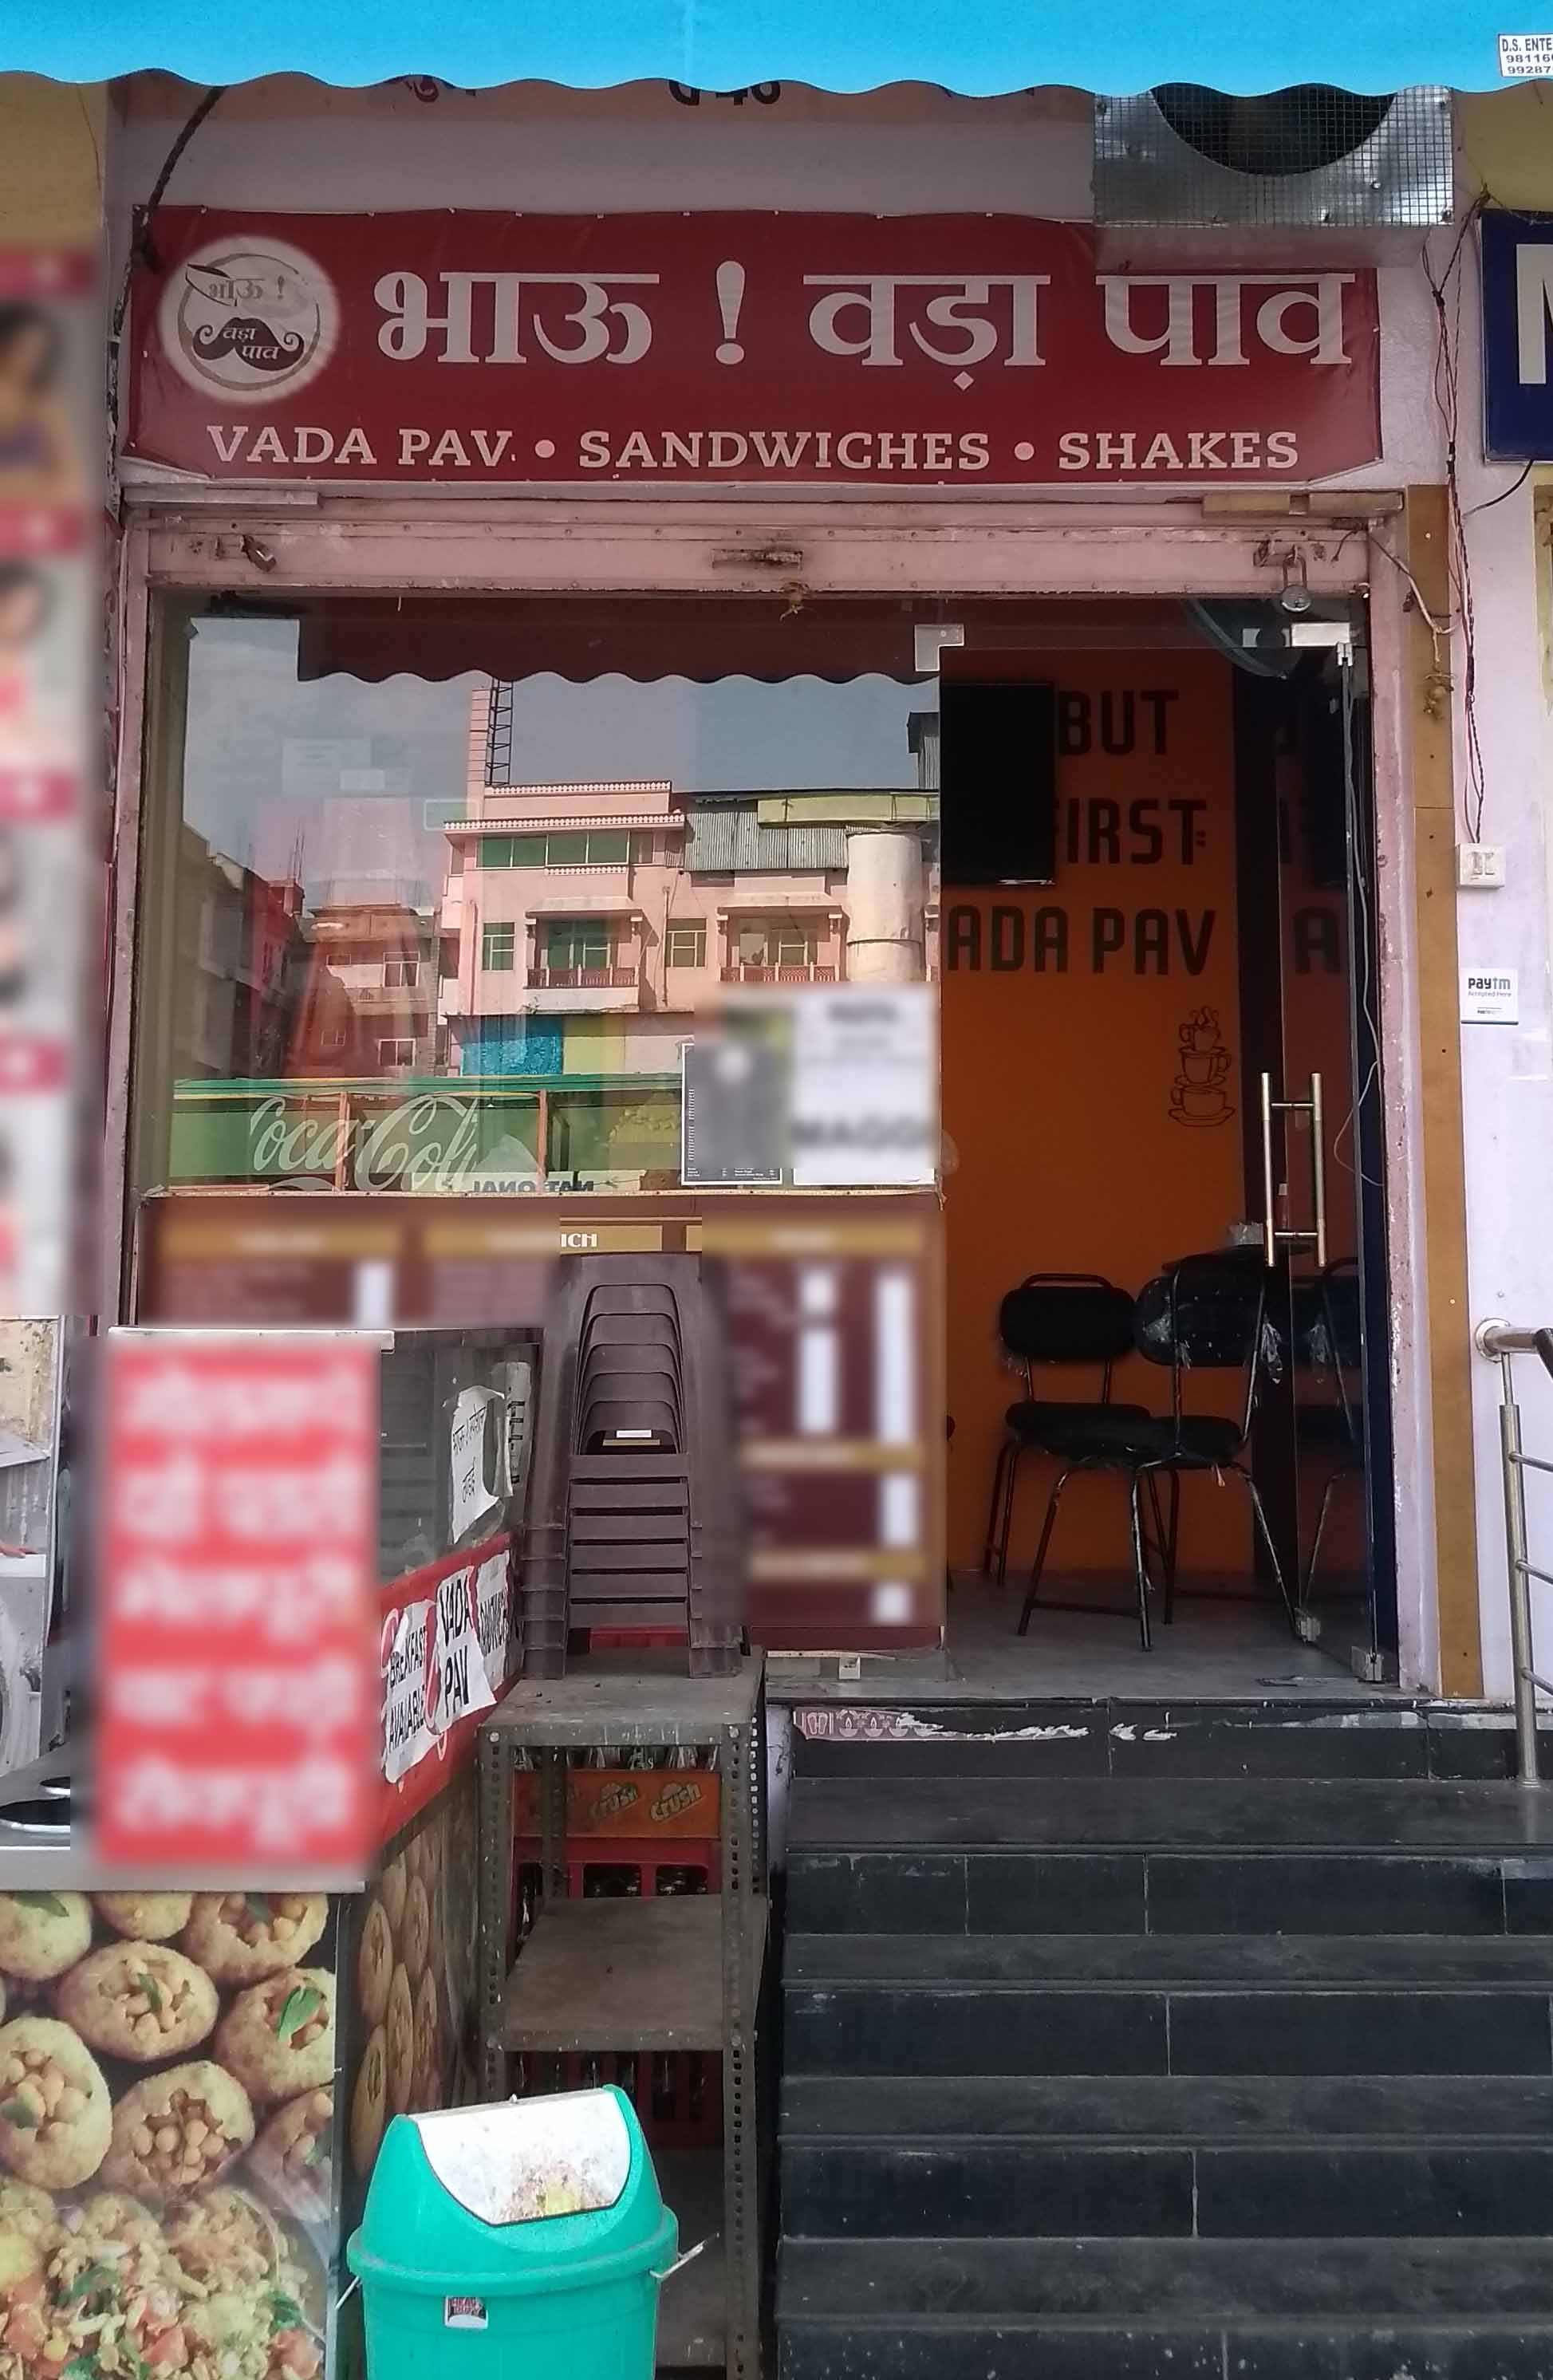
pixel 630 1832
pixel 651 1806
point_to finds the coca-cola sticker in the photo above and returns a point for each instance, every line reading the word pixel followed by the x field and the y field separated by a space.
pixel 249 323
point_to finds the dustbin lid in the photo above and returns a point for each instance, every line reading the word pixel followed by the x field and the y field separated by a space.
pixel 521 2160
pixel 543 2193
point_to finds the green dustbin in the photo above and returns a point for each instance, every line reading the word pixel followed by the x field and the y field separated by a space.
pixel 526 2239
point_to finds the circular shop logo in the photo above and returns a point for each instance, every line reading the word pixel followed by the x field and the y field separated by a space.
pixel 252 324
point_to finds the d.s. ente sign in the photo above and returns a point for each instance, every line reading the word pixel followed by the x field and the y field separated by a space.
pixel 817 350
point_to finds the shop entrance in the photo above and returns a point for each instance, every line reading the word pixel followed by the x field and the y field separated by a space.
pixel 444 912
pixel 1163 1194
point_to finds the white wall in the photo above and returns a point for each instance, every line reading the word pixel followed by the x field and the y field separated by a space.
pixel 1508 1072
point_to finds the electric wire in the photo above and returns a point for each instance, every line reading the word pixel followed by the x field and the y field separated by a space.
pixel 1361 956
pixel 1503 497
pixel 140 248
pixel 1445 289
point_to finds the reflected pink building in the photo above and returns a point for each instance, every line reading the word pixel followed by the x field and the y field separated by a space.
pixel 619 909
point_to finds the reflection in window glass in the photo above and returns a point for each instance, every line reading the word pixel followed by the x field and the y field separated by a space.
pixel 576 945
pixel 685 945
pixel 413 934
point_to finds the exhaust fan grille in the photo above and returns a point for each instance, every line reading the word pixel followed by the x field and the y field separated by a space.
pixel 1311 155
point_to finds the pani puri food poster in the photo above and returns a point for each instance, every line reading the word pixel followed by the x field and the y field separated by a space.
pixel 410 1972
pixel 168 2160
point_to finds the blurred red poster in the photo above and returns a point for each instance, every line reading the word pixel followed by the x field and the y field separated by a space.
pixel 238 1695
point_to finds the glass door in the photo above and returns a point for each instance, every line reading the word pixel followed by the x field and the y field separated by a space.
pixel 1312 1147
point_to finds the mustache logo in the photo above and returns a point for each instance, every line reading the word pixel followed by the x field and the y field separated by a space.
pixel 256 343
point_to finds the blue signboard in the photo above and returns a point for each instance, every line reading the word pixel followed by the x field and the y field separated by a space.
pixel 1517 337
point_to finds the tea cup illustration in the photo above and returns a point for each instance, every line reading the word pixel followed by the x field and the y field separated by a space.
pixel 1197 1094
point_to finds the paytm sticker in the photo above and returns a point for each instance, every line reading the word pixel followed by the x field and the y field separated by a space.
pixel 1523 54
pixel 1490 996
pixel 464 2313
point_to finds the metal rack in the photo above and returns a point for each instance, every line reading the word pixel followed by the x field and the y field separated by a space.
pixel 649 1974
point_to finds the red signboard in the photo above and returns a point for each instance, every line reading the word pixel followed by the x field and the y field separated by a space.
pixel 658 351
pixel 238 1696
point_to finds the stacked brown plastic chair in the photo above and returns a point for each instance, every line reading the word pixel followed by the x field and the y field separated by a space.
pixel 631 1520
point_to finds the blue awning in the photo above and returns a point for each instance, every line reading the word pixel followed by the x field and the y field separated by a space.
pixel 975 46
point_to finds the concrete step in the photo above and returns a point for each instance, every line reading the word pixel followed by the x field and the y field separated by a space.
pixel 1123 1737
pixel 1155 1962
pixel 1237 2109
pixel 1166 1890
pixel 918 1813
pixel 1086 2308
pixel 991 2005
pixel 1175 2155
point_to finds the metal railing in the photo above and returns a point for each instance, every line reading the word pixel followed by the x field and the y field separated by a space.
pixel 1501 1342
pixel 583 978
pixel 758 971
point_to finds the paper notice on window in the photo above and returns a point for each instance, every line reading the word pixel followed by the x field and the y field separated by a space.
pixel 472 1491
pixel 865 1086
pixel 443 1658
pixel 407 1661
pixel 1524 54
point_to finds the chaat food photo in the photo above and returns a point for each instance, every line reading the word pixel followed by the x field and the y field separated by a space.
pixel 167 2118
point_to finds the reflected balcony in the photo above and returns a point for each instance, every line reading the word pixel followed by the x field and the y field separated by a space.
pixel 581 991
pixel 749 971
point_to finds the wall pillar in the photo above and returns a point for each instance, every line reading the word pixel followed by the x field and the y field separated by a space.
pixel 884 941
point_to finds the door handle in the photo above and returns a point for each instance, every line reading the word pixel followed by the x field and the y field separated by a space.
pixel 1271 1235
pixel 1318 1172
pixel 1269 1217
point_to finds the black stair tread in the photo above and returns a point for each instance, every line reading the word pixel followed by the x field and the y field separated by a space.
pixel 1113 2282
pixel 1187 1814
pixel 1230 2110
pixel 1278 1961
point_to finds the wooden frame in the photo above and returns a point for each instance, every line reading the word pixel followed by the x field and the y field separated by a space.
pixel 1441 1152
pixel 999 545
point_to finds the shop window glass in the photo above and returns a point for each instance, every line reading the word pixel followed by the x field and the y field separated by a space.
pixel 776 943
pixel 578 943
pixel 562 849
pixel 422 1376
pixel 685 946
pixel 320 818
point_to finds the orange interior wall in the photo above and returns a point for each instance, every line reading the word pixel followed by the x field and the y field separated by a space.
pixel 1086 1129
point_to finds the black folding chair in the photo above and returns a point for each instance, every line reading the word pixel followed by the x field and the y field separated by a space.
pixel 1076 1319
pixel 1202 1313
